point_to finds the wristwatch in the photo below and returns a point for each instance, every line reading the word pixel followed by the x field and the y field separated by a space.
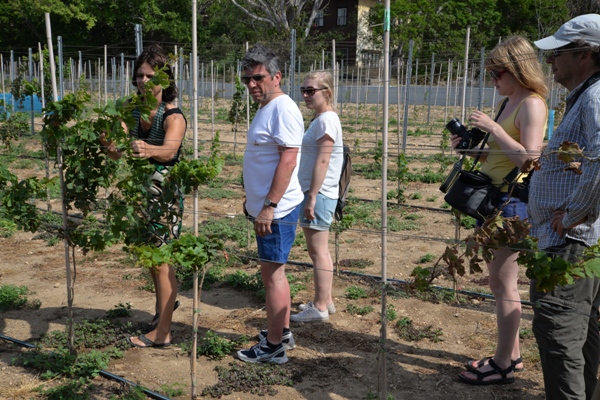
pixel 269 203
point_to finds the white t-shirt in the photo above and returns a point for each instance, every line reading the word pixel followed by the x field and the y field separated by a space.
pixel 279 123
pixel 328 124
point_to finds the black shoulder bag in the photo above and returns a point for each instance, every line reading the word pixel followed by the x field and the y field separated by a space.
pixel 472 192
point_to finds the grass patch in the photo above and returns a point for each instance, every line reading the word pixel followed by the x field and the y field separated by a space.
pixel 14 297
pixel 216 347
pixel 7 228
pixel 253 283
pixel 409 332
pixel 356 292
pixel 119 311
pixel 425 258
pixel 354 310
pixel 258 379
pixel 358 263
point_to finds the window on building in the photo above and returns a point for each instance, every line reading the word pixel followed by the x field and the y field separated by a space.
pixel 318 21
pixel 342 16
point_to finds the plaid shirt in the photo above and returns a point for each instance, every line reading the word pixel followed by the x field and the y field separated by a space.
pixel 552 188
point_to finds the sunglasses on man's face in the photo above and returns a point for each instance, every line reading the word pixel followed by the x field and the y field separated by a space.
pixel 496 75
pixel 258 78
pixel 310 91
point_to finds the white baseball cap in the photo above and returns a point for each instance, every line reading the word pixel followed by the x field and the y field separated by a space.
pixel 585 27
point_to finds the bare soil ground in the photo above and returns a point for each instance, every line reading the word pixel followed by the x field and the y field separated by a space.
pixel 337 359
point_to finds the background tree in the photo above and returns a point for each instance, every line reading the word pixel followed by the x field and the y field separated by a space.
pixel 282 14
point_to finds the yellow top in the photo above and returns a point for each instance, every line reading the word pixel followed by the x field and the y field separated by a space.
pixel 498 165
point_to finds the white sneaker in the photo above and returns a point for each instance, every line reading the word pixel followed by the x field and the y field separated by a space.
pixel 330 307
pixel 310 314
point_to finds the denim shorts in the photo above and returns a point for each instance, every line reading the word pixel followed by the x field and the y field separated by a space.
pixel 276 246
pixel 324 210
pixel 513 208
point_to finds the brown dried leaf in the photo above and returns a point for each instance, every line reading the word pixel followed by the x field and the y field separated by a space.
pixel 574 167
pixel 569 151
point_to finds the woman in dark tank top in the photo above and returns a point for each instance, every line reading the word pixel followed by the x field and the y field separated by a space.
pixel 159 140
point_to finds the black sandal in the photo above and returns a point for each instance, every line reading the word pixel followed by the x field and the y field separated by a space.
pixel 469 364
pixel 496 370
pixel 157 315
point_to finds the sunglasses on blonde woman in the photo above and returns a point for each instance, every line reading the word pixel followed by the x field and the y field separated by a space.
pixel 309 91
pixel 496 75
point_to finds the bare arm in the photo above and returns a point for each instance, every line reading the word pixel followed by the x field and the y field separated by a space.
pixel 319 173
pixel 530 121
pixel 174 126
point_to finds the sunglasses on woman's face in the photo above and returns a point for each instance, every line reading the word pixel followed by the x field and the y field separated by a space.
pixel 258 78
pixel 310 91
pixel 496 75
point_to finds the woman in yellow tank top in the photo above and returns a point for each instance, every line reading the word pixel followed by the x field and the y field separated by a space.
pixel 516 137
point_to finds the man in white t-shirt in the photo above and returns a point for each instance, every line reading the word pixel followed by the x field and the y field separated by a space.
pixel 273 194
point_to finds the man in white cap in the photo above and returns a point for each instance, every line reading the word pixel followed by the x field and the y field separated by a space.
pixel 565 215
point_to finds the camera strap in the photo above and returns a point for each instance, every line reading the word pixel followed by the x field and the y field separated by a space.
pixel 486 137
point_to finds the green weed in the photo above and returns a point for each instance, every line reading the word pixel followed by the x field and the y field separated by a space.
pixel 7 228
pixel 119 311
pixel 408 331
pixel 258 379
pixel 354 310
pixel 359 263
pixel 356 292
pixel 14 297
pixel 216 347
pixel 416 196
pixel 174 390
pixel 425 258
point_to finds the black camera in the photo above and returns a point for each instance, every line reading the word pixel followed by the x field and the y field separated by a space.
pixel 469 138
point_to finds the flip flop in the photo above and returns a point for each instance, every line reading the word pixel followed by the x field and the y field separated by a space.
pixel 495 371
pixel 469 364
pixel 157 315
pixel 147 342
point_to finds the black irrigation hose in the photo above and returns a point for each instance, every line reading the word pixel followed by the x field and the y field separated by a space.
pixel 103 373
pixel 401 281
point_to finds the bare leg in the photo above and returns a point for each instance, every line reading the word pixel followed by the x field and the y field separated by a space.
pixel 167 293
pixel 153 274
pixel 278 299
pixel 318 250
pixel 503 283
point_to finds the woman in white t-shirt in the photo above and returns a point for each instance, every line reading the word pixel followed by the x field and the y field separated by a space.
pixel 319 173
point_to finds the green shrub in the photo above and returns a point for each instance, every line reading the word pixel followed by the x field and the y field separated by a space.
pixel 14 297
pixel 216 347
pixel 356 292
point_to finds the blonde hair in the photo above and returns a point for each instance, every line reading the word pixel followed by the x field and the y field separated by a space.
pixel 325 80
pixel 516 55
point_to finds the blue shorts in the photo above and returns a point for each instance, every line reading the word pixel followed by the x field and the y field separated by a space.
pixel 513 208
pixel 324 210
pixel 277 245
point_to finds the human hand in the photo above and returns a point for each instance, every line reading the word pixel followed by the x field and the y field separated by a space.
pixel 482 121
pixel 309 208
pixel 108 145
pixel 557 225
pixel 455 141
pixel 262 223
pixel 139 148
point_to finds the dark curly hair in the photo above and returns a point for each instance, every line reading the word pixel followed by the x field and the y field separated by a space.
pixel 156 57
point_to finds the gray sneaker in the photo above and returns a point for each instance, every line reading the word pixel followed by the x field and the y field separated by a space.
pixel 287 339
pixel 261 352
pixel 330 307
pixel 310 314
